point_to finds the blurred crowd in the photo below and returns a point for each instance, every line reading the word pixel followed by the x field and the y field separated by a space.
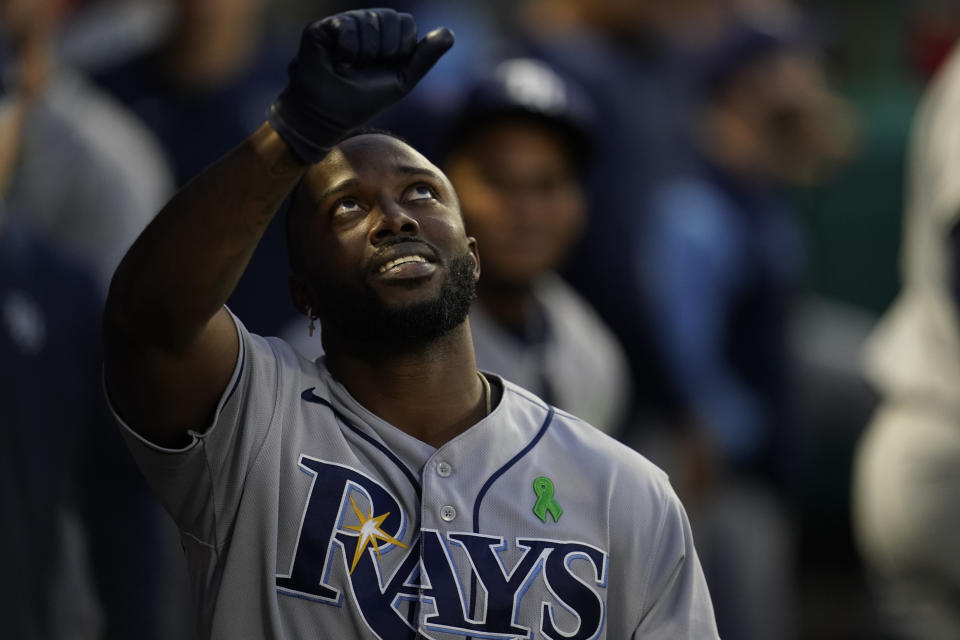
pixel 689 218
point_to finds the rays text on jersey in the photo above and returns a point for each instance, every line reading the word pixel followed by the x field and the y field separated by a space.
pixel 459 584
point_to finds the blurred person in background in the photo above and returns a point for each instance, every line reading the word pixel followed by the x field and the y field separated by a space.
pixel 100 33
pixel 720 262
pixel 61 459
pixel 203 81
pixel 906 490
pixel 201 88
pixel 629 58
pixel 110 175
pixel 516 155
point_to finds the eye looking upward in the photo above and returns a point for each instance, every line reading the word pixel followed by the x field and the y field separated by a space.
pixel 345 206
pixel 419 192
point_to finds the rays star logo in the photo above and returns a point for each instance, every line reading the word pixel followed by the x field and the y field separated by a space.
pixel 370 531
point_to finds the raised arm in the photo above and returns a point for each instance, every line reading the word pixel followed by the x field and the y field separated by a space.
pixel 169 345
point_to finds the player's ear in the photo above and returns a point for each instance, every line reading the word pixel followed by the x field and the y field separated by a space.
pixel 302 295
pixel 475 254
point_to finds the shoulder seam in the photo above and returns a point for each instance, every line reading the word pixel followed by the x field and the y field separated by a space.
pixel 202 543
pixel 258 449
pixel 654 552
pixel 216 544
pixel 202 440
pixel 276 407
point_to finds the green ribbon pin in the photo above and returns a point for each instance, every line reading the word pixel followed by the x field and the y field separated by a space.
pixel 546 503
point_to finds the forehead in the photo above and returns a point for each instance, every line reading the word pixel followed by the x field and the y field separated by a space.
pixel 373 157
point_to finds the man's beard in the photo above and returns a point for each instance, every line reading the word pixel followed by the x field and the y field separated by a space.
pixel 361 317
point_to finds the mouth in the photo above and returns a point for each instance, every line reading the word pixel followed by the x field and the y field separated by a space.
pixel 396 262
pixel 405 260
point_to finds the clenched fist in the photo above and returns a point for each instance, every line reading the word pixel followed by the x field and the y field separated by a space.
pixel 350 67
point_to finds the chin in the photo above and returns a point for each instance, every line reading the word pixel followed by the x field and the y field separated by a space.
pixel 406 293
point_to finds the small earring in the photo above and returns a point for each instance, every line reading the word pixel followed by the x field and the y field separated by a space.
pixel 311 327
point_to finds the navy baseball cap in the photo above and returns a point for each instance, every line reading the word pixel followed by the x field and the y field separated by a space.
pixel 529 88
pixel 746 42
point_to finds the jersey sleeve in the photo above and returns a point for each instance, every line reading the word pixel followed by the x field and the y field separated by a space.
pixel 676 604
pixel 200 485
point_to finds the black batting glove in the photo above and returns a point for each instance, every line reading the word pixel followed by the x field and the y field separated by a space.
pixel 350 67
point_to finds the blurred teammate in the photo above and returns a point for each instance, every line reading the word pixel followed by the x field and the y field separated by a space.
pixel 200 89
pixel 720 260
pixel 389 489
pixel 60 460
pixel 906 480
pixel 632 71
pixel 110 175
pixel 516 159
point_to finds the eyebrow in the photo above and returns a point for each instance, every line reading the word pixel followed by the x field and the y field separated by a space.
pixel 346 185
pixel 351 183
pixel 410 170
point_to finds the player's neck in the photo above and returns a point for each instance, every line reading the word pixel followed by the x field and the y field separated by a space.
pixel 432 393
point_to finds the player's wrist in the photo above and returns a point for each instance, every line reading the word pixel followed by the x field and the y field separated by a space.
pixel 275 154
pixel 307 133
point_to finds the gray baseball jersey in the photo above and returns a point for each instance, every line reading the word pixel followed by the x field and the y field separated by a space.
pixel 303 515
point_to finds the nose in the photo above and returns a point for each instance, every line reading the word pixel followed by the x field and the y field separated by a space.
pixel 393 220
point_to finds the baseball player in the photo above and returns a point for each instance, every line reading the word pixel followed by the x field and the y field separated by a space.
pixel 389 489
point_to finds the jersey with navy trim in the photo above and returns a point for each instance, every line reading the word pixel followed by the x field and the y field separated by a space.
pixel 304 515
